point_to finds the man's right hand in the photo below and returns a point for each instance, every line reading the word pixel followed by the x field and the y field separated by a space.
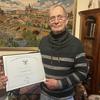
pixel 3 80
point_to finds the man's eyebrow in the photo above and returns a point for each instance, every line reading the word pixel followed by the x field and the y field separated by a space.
pixel 57 15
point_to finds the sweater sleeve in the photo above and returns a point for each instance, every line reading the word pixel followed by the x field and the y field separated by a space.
pixel 80 70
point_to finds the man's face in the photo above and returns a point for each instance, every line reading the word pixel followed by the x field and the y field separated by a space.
pixel 57 20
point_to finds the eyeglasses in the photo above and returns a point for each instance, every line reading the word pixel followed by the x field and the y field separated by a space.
pixel 59 18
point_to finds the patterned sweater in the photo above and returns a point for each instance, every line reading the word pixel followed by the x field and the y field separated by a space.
pixel 64 60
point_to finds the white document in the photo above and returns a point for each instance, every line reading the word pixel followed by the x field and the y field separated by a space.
pixel 23 70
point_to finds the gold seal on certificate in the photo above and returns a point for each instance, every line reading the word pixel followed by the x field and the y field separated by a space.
pixel 23 69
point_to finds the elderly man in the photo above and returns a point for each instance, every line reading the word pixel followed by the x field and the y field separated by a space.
pixel 63 58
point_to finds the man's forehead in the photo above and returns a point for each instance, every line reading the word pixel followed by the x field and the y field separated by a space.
pixel 56 10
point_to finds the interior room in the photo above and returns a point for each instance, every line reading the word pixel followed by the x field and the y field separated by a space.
pixel 84 25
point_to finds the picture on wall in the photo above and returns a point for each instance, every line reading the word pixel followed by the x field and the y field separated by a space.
pixel 24 22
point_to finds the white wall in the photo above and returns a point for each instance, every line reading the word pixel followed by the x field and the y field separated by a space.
pixel 83 5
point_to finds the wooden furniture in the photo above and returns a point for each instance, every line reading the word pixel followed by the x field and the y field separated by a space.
pixel 94 97
pixel 90 37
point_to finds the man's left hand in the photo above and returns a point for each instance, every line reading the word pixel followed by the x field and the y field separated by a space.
pixel 52 84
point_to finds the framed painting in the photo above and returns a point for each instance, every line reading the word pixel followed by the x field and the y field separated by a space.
pixel 24 22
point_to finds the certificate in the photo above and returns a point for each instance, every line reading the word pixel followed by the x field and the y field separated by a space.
pixel 23 70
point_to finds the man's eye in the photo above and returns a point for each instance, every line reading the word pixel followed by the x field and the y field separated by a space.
pixel 52 18
pixel 60 17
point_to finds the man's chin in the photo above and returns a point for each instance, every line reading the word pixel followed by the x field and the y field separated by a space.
pixel 58 31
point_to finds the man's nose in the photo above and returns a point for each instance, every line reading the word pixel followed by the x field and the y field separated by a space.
pixel 56 20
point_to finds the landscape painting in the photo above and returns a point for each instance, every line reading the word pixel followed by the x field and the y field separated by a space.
pixel 24 22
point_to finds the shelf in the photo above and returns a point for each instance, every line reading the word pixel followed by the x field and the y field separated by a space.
pixel 90 38
pixel 89 57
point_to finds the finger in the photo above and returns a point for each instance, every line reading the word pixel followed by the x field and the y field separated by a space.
pixel 1 73
pixel 4 78
pixel 45 82
pixel 2 86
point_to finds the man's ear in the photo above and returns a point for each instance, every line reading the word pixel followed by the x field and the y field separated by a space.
pixel 66 21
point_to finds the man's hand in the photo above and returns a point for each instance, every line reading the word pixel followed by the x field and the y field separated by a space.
pixel 3 80
pixel 52 84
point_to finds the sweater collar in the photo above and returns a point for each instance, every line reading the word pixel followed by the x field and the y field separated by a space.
pixel 59 35
pixel 58 41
